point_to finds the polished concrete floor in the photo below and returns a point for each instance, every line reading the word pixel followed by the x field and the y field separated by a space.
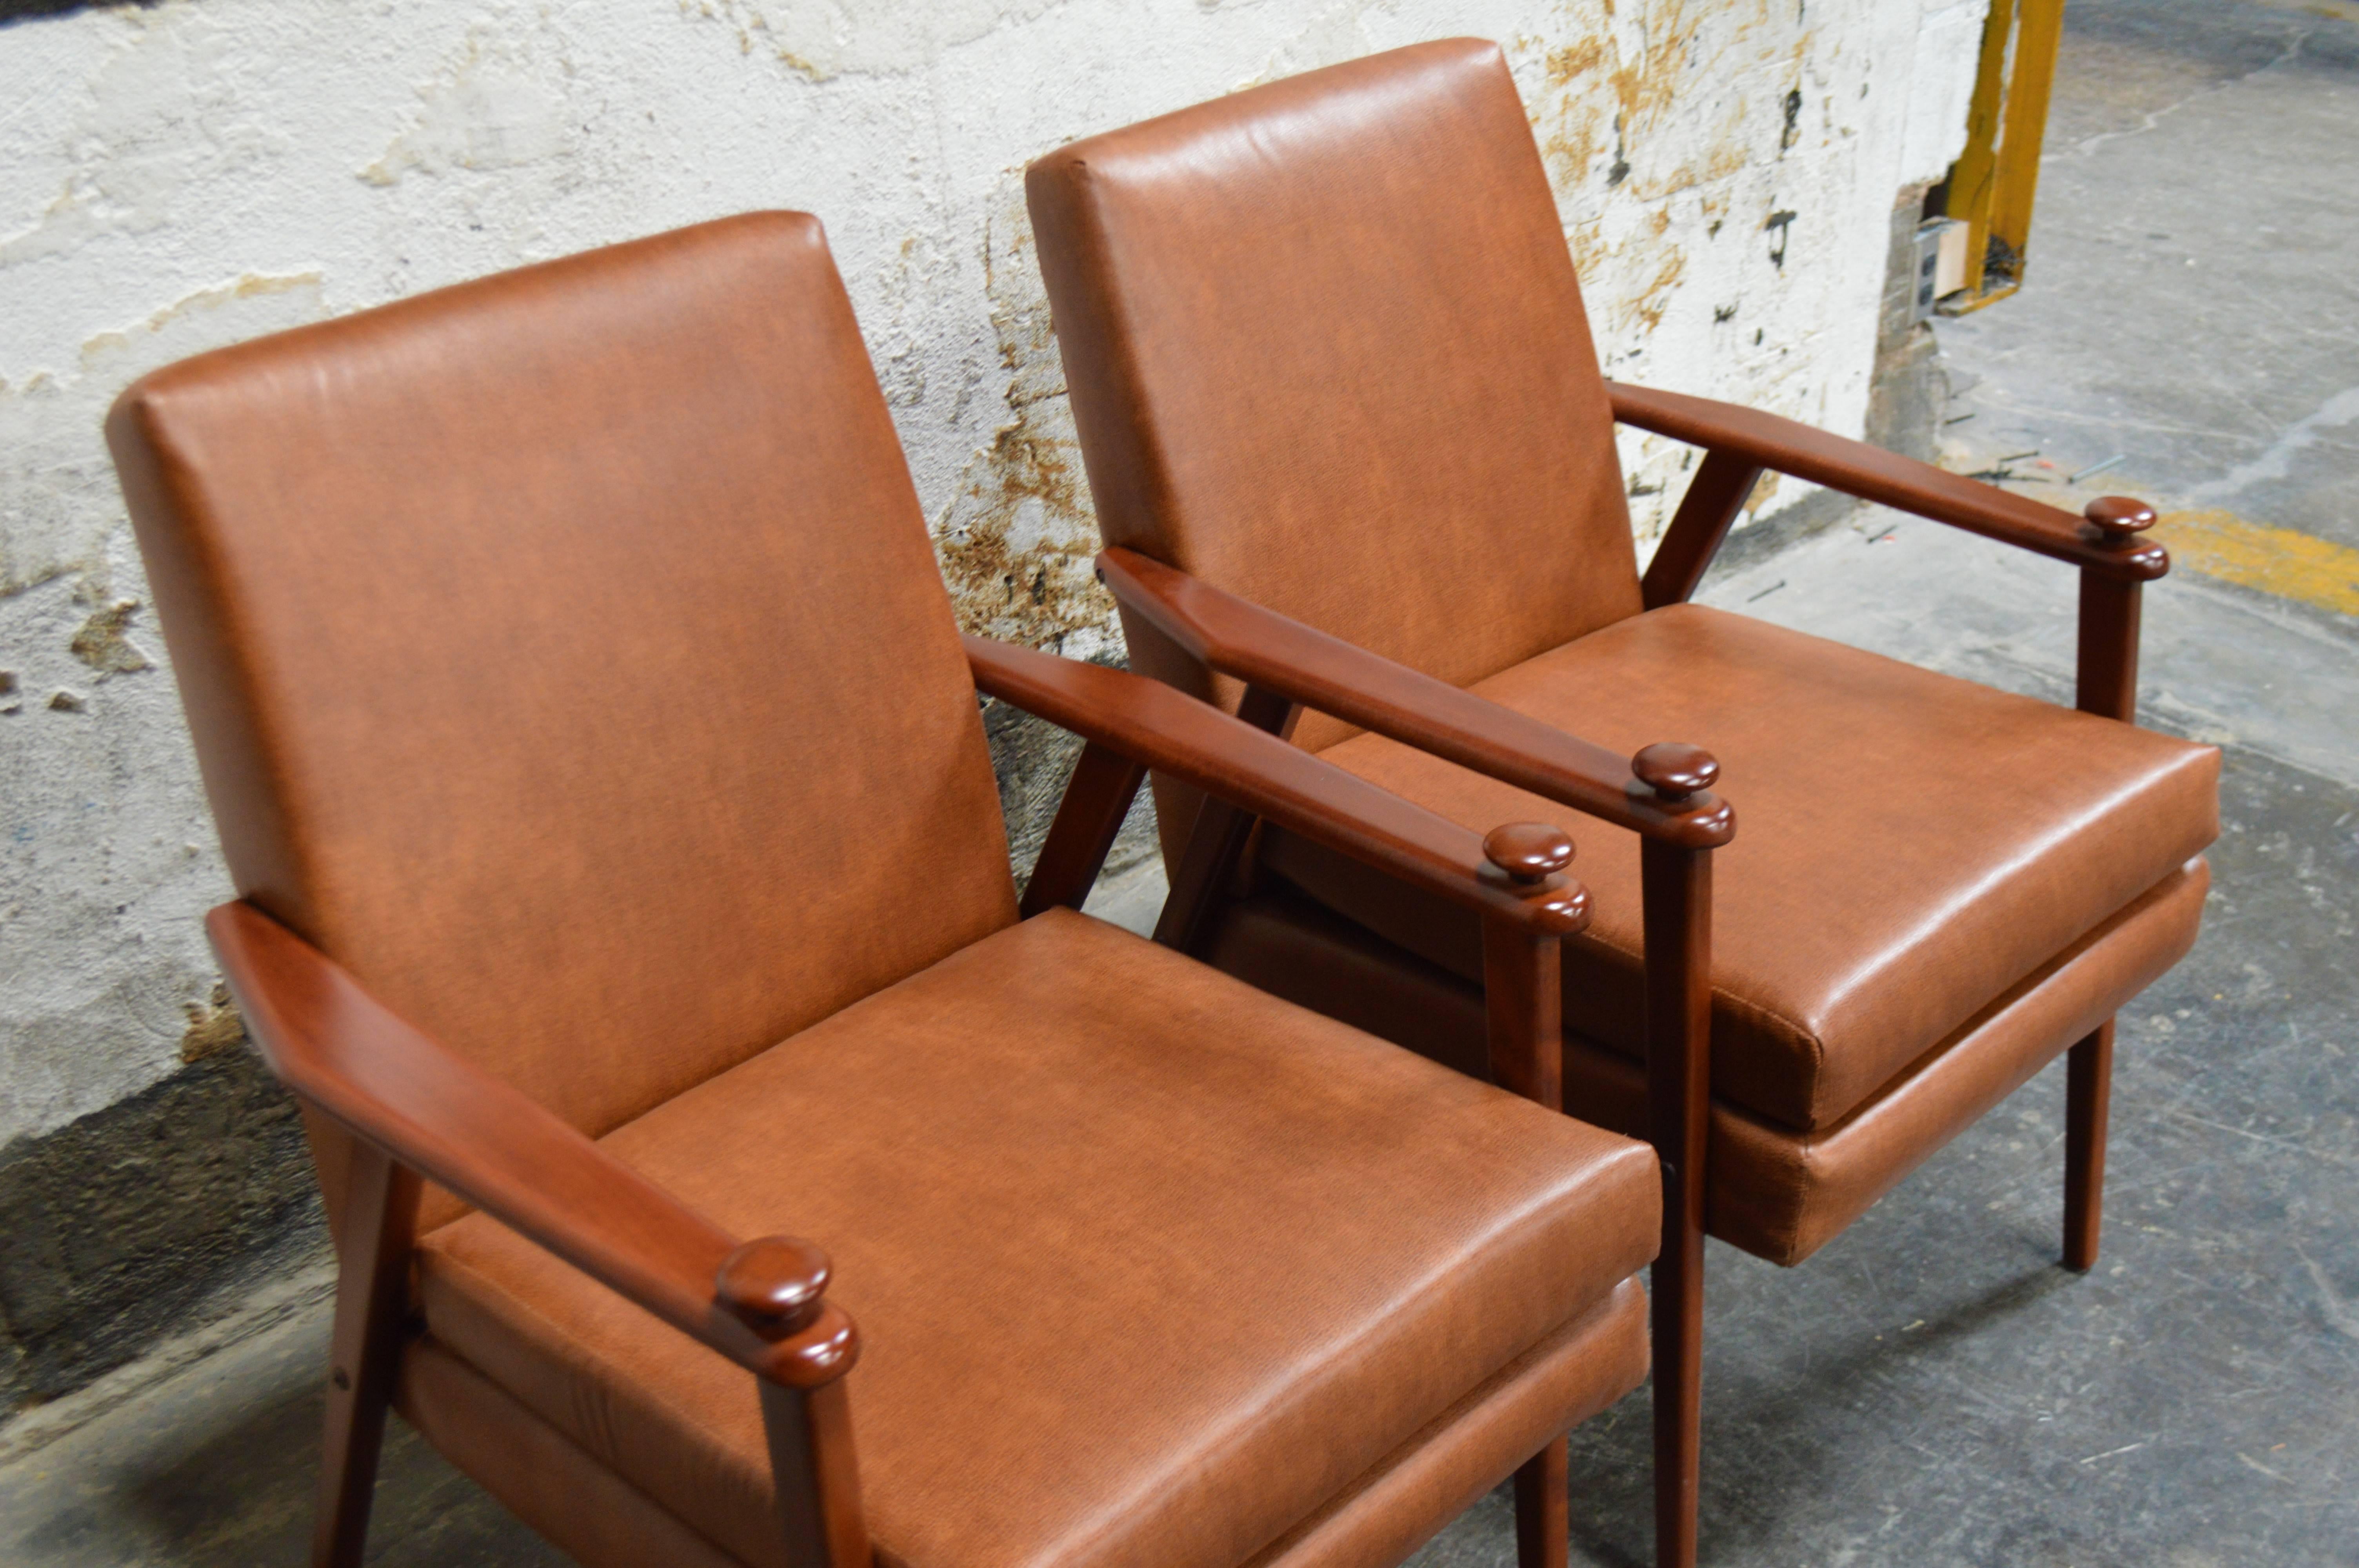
pixel 1931 1389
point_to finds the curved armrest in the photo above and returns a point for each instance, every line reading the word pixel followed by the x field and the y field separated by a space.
pixel 1152 724
pixel 1260 647
pixel 1885 478
pixel 353 1059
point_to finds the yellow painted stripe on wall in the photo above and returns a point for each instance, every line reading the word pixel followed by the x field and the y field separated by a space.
pixel 2275 560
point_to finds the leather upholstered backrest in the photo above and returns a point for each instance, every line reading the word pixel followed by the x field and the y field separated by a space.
pixel 1326 351
pixel 566 657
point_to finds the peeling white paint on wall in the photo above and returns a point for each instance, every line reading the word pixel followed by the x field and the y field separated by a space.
pixel 207 170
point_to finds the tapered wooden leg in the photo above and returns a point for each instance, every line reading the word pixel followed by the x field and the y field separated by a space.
pixel 1677 887
pixel 816 1475
pixel 1677 1303
pixel 1540 1524
pixel 380 1203
pixel 2088 1089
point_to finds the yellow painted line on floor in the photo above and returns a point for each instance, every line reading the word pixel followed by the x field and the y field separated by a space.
pixel 2290 564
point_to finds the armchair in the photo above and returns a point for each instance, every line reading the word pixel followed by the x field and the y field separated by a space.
pixel 624 895
pixel 1341 412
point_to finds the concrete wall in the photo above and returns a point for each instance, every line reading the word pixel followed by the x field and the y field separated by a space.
pixel 194 173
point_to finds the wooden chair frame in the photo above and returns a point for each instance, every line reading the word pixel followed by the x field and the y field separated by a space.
pixel 1663 795
pixel 411 1109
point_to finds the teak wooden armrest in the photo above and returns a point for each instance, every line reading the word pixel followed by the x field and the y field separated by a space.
pixel 1741 442
pixel 1149 725
pixel 1270 651
pixel 354 1060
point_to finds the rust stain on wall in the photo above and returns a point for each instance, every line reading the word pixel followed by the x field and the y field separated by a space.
pixel 1018 540
pixel 1648 305
pixel 246 286
pixel 214 1026
pixel 100 643
pixel 1602 94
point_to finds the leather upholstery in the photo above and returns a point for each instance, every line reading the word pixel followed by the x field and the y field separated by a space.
pixel 1776 1192
pixel 1058 1129
pixel 542 1476
pixel 1337 429
pixel 602 1522
pixel 1909 845
pixel 1378 1520
pixel 583 695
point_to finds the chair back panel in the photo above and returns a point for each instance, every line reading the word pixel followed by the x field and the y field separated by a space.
pixel 1326 351
pixel 567 658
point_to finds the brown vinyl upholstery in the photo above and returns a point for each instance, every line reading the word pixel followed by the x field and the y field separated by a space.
pixel 519 642
pixel 603 1521
pixel 1914 844
pixel 1410 401
pixel 1778 1193
pixel 1327 354
pixel 567 660
pixel 1067 1176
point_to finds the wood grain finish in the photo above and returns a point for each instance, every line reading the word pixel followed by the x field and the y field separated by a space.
pixel 1193 741
pixel 1541 1525
pixel 1523 1001
pixel 2105 683
pixel 1709 509
pixel 1528 851
pixel 2107 658
pixel 1269 650
pixel 1674 770
pixel 1097 797
pixel 372 1244
pixel 773 1282
pixel 1885 478
pixel 818 1476
pixel 2088 1093
pixel 1678 893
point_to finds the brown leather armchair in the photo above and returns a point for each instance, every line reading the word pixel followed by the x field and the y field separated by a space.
pixel 623 878
pixel 1342 418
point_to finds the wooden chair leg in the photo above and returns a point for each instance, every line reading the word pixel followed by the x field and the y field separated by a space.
pixel 380 1203
pixel 2088 1089
pixel 1678 1313
pixel 1541 1523
pixel 1677 893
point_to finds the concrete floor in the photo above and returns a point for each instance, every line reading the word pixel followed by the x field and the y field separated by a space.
pixel 1931 1388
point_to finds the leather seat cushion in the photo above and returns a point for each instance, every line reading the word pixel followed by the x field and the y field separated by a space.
pixel 1777 1192
pixel 1908 845
pixel 602 1522
pixel 1147 1265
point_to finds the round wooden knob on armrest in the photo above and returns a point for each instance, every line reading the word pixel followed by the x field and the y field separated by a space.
pixel 1674 771
pixel 1528 851
pixel 773 1282
pixel 2120 518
